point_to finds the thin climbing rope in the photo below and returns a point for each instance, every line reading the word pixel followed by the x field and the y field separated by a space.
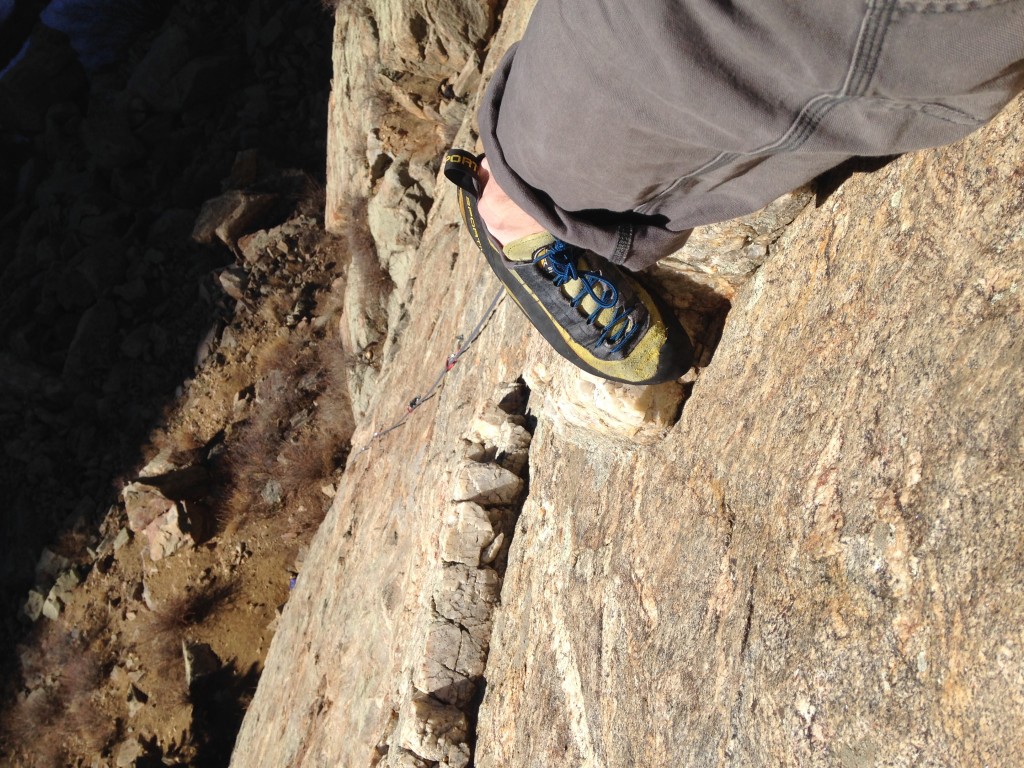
pixel 416 402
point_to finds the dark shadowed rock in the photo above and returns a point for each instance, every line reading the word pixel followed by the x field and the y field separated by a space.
pixel 233 280
pixel 48 73
pixel 200 662
pixel 94 340
pixel 231 215
pixel 181 484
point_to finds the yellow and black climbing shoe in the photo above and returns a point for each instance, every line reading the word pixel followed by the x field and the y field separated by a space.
pixel 596 315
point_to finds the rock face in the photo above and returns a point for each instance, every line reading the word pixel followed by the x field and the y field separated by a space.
pixel 723 255
pixel 820 562
pixel 391 63
pixel 403 74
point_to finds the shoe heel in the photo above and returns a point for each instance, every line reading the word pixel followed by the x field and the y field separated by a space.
pixel 462 169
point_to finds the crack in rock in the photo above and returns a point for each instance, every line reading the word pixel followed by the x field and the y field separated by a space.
pixel 436 722
pixel 469 533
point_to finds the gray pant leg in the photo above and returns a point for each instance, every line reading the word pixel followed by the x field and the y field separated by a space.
pixel 622 125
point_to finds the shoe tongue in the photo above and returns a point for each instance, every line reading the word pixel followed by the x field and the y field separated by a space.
pixel 523 249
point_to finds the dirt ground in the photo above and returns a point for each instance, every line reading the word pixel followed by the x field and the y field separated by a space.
pixel 124 340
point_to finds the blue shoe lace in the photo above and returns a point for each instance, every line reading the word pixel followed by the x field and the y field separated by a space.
pixel 561 265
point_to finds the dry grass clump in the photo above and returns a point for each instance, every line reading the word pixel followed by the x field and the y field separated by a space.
pixel 162 630
pixel 191 607
pixel 358 300
pixel 177 442
pixel 90 730
pixel 297 435
pixel 368 283
pixel 362 248
pixel 312 197
pixel 29 726
pixel 334 406
pixel 58 712
pixel 363 329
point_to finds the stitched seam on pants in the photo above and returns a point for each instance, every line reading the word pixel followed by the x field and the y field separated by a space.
pixel 958 6
pixel 859 74
pixel 933 110
pixel 861 70
pixel 865 57
pixel 625 242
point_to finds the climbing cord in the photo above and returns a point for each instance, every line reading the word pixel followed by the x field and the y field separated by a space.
pixel 466 342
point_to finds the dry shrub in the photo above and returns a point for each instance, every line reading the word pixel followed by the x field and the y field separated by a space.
pixel 362 247
pixel 53 655
pixel 274 307
pixel 32 729
pixel 334 406
pixel 191 607
pixel 366 284
pixel 331 303
pixel 250 460
pixel 286 354
pixel 89 729
pixel 298 432
pixel 297 377
pixel 71 542
pixel 60 714
pixel 80 674
pixel 312 198
pixel 367 289
pixel 161 652
pixel 178 442
pixel 365 271
pixel 305 461
pixel 298 466
pixel 161 631
pixel 175 437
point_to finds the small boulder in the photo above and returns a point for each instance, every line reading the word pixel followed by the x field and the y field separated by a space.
pixel 184 484
pixel 467 532
pixel 168 533
pixel 400 758
pixel 33 607
pixel 50 566
pixel 52 607
pixel 233 281
pixel 466 596
pixel 127 753
pixel 144 503
pixel 486 484
pixel 231 215
pixel 435 732
pixel 590 405
pixel 122 538
pixel 200 661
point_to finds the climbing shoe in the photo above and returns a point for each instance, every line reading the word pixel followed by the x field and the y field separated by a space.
pixel 596 315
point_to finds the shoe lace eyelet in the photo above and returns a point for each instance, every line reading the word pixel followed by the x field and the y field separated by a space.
pixel 560 262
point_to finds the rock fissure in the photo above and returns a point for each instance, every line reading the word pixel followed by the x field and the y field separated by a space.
pixel 749 617
pixel 437 720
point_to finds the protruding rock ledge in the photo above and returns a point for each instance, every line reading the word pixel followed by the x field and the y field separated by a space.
pixel 568 396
